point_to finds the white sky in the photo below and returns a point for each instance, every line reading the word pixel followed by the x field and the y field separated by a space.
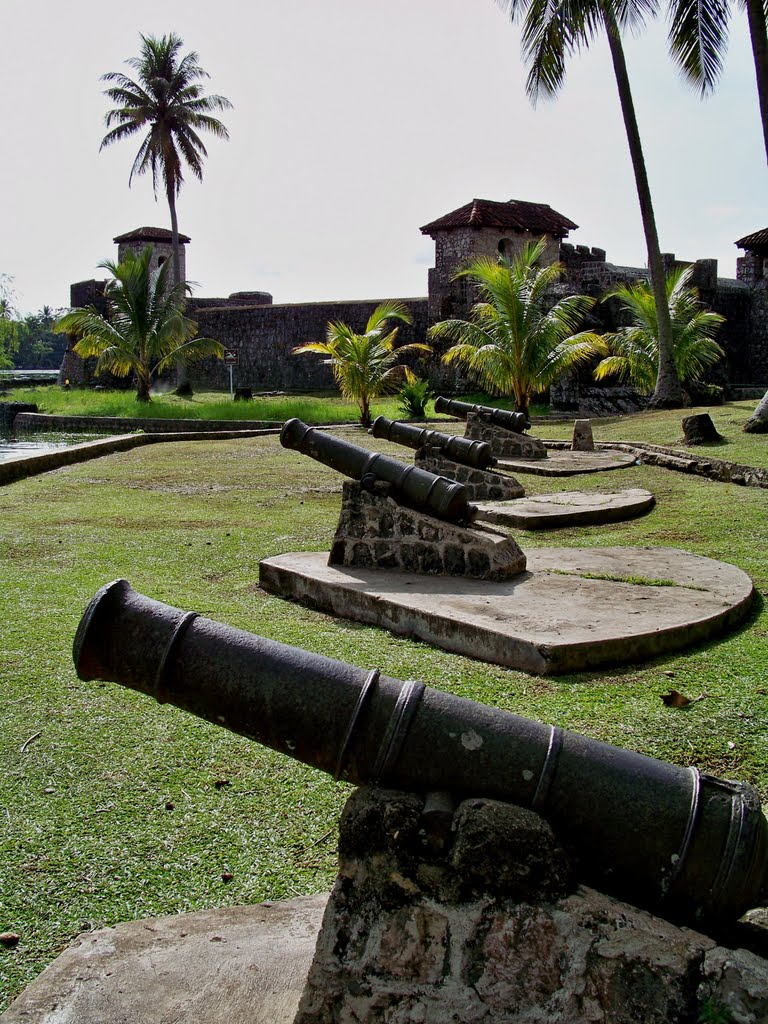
pixel 354 123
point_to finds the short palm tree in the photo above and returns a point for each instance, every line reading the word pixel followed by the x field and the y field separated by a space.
pixel 366 365
pixel 634 350
pixel 517 342
pixel 166 102
pixel 144 330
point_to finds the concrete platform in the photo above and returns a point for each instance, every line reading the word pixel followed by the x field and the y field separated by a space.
pixel 561 462
pixel 574 609
pixel 242 965
pixel 568 508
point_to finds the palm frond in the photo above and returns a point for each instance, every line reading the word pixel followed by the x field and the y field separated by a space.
pixel 698 39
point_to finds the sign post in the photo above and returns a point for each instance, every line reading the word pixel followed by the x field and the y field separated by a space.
pixel 231 358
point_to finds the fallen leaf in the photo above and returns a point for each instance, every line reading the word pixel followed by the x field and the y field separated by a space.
pixel 673 699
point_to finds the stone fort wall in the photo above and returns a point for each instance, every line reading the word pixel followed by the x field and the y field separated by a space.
pixel 264 337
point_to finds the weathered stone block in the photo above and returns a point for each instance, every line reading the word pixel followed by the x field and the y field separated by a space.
pixel 374 530
pixel 487 926
pixel 481 484
pixel 582 436
pixel 504 443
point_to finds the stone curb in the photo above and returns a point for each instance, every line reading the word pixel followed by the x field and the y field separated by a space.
pixel 31 465
pixel 683 462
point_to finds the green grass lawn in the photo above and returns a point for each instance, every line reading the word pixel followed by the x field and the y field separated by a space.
pixel 322 407
pixel 204 405
pixel 109 804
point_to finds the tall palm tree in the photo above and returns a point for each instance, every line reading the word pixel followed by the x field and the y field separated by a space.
pixel 166 101
pixel 698 39
pixel 553 30
pixel 516 342
pixel 366 365
pixel 635 349
pixel 144 330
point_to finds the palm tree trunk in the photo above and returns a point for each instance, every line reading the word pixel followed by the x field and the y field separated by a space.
pixel 668 392
pixel 758 421
pixel 759 37
pixel 183 386
pixel 174 234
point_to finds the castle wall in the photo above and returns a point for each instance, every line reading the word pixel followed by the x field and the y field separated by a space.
pixel 265 336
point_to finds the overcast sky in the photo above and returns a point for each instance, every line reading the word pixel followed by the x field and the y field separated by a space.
pixel 354 123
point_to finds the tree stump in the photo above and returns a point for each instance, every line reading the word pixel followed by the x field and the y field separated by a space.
pixel 699 429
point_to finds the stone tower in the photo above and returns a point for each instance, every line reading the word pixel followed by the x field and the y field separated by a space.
pixel 485 228
pixel 161 239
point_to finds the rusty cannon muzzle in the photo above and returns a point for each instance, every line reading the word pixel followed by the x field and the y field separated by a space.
pixel 477 454
pixel 517 422
pixel 409 485
pixel 671 839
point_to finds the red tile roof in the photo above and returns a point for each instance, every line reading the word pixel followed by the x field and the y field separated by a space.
pixel 516 214
pixel 150 235
pixel 756 239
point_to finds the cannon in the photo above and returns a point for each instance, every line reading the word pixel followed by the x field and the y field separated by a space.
pixel 409 485
pixel 517 422
pixel 667 838
pixel 477 454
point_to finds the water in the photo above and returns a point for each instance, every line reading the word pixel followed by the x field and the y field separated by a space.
pixel 28 376
pixel 17 448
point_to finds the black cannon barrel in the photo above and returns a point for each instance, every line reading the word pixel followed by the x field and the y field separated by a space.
pixel 514 421
pixel 667 838
pixel 477 454
pixel 435 495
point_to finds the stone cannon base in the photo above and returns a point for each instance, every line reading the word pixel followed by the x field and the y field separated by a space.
pixel 375 532
pixel 504 443
pixel 476 917
pixel 481 484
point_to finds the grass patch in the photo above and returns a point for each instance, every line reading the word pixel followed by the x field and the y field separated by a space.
pixel 87 837
pixel 638 581
pixel 665 428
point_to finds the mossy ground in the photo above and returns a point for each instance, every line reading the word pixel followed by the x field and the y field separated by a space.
pixel 112 811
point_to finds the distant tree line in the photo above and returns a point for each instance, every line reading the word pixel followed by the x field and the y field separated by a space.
pixel 27 342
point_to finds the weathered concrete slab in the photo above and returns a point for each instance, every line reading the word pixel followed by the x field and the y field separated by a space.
pixel 242 965
pixel 568 508
pixel 574 609
pixel 560 462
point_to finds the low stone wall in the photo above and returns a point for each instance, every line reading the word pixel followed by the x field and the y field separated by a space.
pixel 669 458
pixel 42 462
pixel 28 421
pixel 8 413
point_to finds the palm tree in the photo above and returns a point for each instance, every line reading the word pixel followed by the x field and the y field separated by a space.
pixel 635 349
pixel 167 102
pixel 366 365
pixel 145 329
pixel 698 38
pixel 552 31
pixel 516 342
